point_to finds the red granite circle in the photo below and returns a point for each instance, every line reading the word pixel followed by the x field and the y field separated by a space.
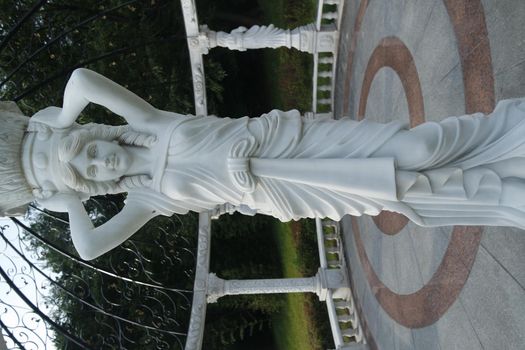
pixel 427 305
pixel 393 53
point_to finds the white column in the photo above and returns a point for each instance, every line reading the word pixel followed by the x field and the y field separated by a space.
pixel 319 284
pixel 305 38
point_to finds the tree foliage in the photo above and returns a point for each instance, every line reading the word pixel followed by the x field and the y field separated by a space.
pixel 140 44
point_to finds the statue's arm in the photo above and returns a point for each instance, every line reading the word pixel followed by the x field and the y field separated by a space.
pixel 85 86
pixel 90 241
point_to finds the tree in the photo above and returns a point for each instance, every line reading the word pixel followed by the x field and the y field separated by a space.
pixel 140 44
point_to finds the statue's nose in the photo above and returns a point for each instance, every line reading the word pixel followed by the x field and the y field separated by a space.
pixel 109 161
pixel 102 161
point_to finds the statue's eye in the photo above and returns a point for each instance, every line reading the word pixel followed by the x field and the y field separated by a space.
pixel 92 151
pixel 92 171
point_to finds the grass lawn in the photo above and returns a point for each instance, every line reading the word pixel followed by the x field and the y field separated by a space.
pixel 293 328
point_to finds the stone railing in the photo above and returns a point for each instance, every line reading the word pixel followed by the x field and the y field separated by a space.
pixel 327 21
pixel 344 319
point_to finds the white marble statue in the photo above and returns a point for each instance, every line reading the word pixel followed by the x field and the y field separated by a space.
pixel 467 170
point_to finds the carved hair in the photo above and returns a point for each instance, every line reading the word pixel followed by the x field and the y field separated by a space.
pixel 72 144
pixel 15 192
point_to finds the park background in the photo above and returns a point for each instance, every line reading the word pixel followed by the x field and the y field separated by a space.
pixel 141 45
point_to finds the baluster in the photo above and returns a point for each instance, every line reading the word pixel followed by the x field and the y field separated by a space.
pixel 349 332
pixel 334 225
pixel 330 15
pixel 326 60
pixel 331 236
pixel 347 318
pixel 350 304
pixel 324 101
pixel 359 335
pixel 328 222
pixel 324 88
pixel 333 250
pixel 325 74
pixel 342 304
pixel 334 261
pixel 347 305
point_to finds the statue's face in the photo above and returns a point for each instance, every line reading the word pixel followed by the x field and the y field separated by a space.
pixel 102 161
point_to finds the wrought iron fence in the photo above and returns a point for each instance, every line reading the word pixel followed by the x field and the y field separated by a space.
pixel 130 295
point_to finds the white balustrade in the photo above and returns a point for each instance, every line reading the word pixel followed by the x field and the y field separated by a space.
pixel 326 60
pixel 333 250
pixel 331 236
pixel 325 74
pixel 330 15
pixel 347 318
pixel 344 320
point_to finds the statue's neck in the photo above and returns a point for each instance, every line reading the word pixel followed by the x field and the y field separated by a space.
pixel 141 161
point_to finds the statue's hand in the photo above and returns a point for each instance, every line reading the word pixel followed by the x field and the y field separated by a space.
pixel 239 30
pixel 48 116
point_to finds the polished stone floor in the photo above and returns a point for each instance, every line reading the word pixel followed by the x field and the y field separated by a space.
pixel 417 60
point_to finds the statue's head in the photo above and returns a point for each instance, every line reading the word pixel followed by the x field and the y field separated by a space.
pixel 38 161
pixel 96 160
pixel 91 160
pixel 63 160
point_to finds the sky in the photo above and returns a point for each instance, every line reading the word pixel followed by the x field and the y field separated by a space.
pixel 28 327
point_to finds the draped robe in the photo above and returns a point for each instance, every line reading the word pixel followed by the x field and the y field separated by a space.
pixel 285 166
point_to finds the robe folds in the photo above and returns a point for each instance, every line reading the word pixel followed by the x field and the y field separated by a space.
pixel 283 165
